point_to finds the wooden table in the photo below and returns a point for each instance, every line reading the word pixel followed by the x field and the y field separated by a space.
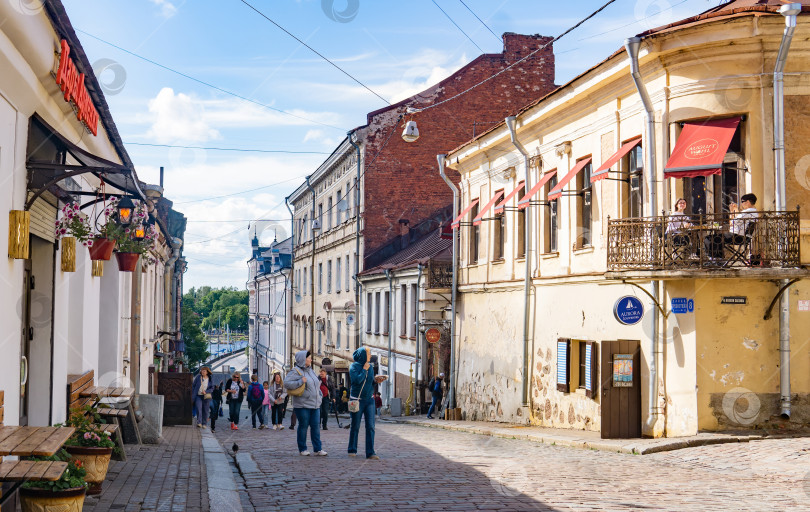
pixel 105 392
pixel 32 441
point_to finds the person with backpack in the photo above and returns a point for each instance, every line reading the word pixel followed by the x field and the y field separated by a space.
pixel 361 401
pixel 303 384
pixel 278 397
pixel 255 396
pixel 326 391
pixel 235 389
pixel 436 391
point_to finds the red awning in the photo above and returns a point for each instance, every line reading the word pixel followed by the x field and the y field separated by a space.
pixel 540 184
pixel 602 172
pixel 485 209
pixel 500 206
pixel 701 148
pixel 457 221
pixel 557 192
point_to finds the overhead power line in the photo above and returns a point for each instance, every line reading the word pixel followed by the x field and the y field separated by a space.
pixel 313 50
pixel 479 19
pixel 456 24
pixel 207 84
pixel 241 191
pixel 245 150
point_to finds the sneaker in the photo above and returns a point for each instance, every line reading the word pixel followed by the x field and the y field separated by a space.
pixel 321 453
pixel 352 455
pixel 324 428
pixel 203 427
pixel 262 427
pixel 374 457
pixel 235 427
pixel 232 425
pixel 430 417
pixel 305 453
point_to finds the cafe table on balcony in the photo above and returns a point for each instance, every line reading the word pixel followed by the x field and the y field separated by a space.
pixel 740 227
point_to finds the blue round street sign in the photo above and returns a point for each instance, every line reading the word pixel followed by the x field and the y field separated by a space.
pixel 628 310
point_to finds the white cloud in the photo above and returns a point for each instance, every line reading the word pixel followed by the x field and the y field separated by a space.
pixel 167 9
pixel 178 118
pixel 320 137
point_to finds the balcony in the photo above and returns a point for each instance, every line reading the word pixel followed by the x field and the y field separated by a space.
pixel 767 243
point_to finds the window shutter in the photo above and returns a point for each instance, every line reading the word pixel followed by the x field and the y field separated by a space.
pixel 591 370
pixel 563 364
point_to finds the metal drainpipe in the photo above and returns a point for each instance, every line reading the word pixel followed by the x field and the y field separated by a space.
pixel 451 393
pixel 357 285
pixel 390 277
pixel 418 336
pixel 312 275
pixel 292 283
pixel 527 280
pixel 168 277
pixel 135 333
pixel 789 11
pixel 632 45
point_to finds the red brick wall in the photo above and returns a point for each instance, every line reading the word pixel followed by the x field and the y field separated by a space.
pixel 404 182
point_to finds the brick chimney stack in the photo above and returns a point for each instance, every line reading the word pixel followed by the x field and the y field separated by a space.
pixel 517 46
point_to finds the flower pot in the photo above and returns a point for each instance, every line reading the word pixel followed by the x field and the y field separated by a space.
pixel 68 254
pixel 36 500
pixel 95 461
pixel 101 249
pixel 127 261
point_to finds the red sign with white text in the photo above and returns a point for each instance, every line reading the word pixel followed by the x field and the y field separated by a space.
pixel 71 82
pixel 701 148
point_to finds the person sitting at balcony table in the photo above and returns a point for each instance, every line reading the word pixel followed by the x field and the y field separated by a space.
pixel 677 222
pixel 739 222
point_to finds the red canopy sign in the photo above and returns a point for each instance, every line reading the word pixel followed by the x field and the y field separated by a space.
pixel 701 148
pixel 72 84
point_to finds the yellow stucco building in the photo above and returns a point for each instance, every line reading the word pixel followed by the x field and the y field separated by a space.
pixel 608 156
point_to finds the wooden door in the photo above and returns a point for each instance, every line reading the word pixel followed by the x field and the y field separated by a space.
pixel 621 389
pixel 176 391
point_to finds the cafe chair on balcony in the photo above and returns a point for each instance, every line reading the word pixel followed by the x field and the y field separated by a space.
pixel 739 247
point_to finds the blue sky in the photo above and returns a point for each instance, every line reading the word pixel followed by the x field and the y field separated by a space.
pixel 395 48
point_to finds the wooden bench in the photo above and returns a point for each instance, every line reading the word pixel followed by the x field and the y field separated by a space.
pixel 29 441
pixel 81 392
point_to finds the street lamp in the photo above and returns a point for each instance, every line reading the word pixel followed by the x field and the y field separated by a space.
pixel 125 207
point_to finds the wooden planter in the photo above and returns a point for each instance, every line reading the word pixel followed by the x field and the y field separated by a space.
pixel 68 244
pixel 37 500
pixel 101 249
pixel 95 461
pixel 127 261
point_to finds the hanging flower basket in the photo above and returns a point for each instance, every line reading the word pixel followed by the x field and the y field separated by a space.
pixel 101 249
pixel 127 261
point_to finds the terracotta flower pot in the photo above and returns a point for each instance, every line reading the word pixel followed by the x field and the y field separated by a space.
pixel 101 249
pixel 95 461
pixel 36 500
pixel 127 261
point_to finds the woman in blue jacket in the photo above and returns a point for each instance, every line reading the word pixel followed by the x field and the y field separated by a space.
pixel 362 376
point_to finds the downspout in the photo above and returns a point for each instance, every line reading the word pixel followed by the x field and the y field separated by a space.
pixel 416 402
pixel 632 45
pixel 390 277
pixel 292 283
pixel 135 333
pixel 357 284
pixel 168 293
pixel 312 276
pixel 789 11
pixel 527 279
pixel 451 393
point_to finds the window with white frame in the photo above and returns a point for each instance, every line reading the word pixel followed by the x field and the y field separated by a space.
pixel 387 312
pixel 329 276
pixel 369 309
pixel 378 304
pixel 414 310
pixel 329 213
pixel 337 336
pixel 403 310
pixel 337 274
pixel 320 278
pixel 348 278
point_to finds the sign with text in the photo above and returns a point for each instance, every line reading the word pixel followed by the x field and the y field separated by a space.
pixel 622 370
pixel 628 310
pixel 71 82
pixel 433 335
pixel 804 305
pixel 681 305
pixel 734 300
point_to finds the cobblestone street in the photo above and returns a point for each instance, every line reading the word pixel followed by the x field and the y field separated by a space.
pixel 433 469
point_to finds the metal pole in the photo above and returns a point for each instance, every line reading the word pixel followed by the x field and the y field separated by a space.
pixel 357 268
pixel 291 284
pixel 451 393
pixel 389 276
pixel 312 280
pixel 418 335
pixel 135 333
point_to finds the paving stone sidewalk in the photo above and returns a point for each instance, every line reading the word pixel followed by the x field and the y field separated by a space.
pixel 169 476
pixel 590 440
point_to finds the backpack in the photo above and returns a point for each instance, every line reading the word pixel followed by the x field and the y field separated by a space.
pixel 256 392
pixel 432 384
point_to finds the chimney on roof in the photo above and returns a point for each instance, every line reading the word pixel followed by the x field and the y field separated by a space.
pixel 404 232
pixel 517 46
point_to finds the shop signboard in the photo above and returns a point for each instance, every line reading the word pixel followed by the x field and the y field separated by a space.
pixel 628 310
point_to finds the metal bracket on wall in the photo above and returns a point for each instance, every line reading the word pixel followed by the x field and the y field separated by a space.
pixel 657 305
pixel 769 311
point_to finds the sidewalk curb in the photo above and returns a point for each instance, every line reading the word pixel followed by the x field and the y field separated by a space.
pixel 222 493
pixel 630 446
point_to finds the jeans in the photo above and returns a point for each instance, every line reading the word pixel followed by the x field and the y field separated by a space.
pixel 266 412
pixel 367 408
pixel 214 413
pixel 308 418
pixel 277 414
pixel 234 408
pixel 324 411
pixel 202 406
pixel 436 401
pixel 256 409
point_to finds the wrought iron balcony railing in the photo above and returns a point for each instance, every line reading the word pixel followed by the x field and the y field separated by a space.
pixel 440 275
pixel 698 242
